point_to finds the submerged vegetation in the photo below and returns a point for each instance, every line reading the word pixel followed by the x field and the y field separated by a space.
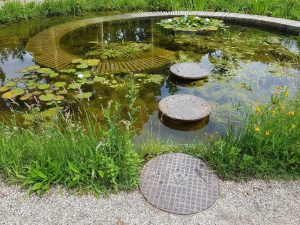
pixel 13 11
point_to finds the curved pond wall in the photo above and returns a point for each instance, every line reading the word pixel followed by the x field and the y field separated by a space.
pixel 46 49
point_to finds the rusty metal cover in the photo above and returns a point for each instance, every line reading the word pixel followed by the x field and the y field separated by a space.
pixel 184 107
pixel 179 183
pixel 189 70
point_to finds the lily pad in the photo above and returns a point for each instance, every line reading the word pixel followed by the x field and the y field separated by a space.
pixel 99 79
pixel 53 74
pixel 44 70
pixel 10 84
pixel 156 78
pixel 84 95
pixel 47 97
pixel 18 91
pixel 36 93
pixel 8 95
pixel 32 68
pixel 68 71
pixel 77 61
pixel 44 86
pixel 74 86
pixel 92 62
pixel 58 98
pixel 26 97
pixel 60 84
pixel 4 89
pixel 82 66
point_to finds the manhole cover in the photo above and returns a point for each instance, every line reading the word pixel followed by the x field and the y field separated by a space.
pixel 179 183
pixel 184 107
pixel 189 70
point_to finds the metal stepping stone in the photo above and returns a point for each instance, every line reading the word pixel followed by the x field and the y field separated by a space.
pixel 184 107
pixel 189 70
pixel 179 183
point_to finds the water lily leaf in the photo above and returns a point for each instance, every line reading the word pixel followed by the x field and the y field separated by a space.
pixel 82 66
pixel 4 89
pixel 58 98
pixel 44 70
pixel 77 61
pixel 46 97
pixel 53 74
pixel 10 84
pixel 24 70
pixel 92 62
pixel 60 84
pixel 82 81
pixel 90 82
pixel 74 86
pixel 26 97
pixel 32 68
pixel 36 93
pixel 68 71
pixel 48 91
pixel 63 92
pixel 8 95
pixel 44 86
pixel 18 91
pixel 84 95
pixel 156 78
pixel 99 79
pixel 31 85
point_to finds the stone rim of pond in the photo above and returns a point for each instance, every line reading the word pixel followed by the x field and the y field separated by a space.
pixel 189 71
pixel 183 107
pixel 179 183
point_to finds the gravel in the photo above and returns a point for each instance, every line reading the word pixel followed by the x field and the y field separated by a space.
pixel 255 202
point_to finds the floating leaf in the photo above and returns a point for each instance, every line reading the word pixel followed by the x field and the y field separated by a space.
pixel 74 86
pixel 36 93
pixel 156 78
pixel 77 61
pixel 10 84
pixel 82 66
pixel 8 95
pixel 44 70
pixel 18 91
pixel 44 86
pixel 24 70
pixel 60 84
pixel 58 98
pixel 84 95
pixel 90 82
pixel 53 74
pixel 47 97
pixel 63 92
pixel 68 71
pixel 92 62
pixel 32 68
pixel 99 79
pixel 26 97
pixel 4 89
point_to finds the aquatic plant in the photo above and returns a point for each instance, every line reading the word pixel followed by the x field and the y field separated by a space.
pixel 123 50
pixel 192 24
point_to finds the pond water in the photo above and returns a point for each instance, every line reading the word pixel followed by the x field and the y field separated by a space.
pixel 246 64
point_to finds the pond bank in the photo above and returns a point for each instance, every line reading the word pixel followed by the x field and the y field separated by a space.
pixel 254 202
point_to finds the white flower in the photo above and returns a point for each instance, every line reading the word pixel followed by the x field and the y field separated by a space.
pixel 207 20
pixel 197 17
pixel 80 75
pixel 170 20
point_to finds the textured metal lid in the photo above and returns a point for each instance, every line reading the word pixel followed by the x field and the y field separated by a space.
pixel 184 107
pixel 189 70
pixel 179 183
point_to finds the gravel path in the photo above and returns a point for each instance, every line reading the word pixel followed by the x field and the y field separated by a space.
pixel 255 202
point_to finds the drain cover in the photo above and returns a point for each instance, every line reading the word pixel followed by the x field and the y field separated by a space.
pixel 183 107
pixel 189 70
pixel 179 183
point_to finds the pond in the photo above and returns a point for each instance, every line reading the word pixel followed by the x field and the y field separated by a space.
pixel 246 65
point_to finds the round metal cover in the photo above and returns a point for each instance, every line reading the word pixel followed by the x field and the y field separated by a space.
pixel 184 107
pixel 189 70
pixel 179 183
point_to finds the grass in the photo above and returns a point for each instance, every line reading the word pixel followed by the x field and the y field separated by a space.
pixel 265 144
pixel 83 156
pixel 13 11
